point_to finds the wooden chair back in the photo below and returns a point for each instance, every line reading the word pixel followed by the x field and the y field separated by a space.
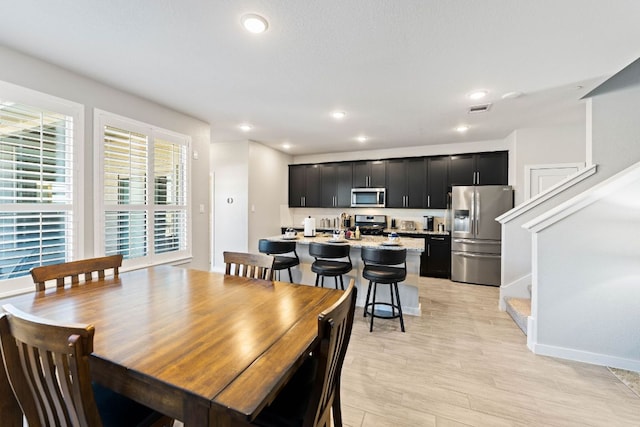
pixel 47 364
pixel 334 333
pixel 255 266
pixel 75 269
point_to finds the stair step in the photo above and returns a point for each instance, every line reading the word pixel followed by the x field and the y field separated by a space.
pixel 519 309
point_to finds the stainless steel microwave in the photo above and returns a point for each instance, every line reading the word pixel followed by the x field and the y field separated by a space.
pixel 368 197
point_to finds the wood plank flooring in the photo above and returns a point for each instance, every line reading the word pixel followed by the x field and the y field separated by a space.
pixel 465 363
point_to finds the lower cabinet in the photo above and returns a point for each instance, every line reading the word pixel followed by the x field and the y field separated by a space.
pixel 436 259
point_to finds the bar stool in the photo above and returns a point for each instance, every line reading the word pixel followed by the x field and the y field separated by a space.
pixel 274 247
pixel 383 266
pixel 329 261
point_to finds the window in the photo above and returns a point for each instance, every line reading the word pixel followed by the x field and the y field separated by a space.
pixel 143 201
pixel 38 173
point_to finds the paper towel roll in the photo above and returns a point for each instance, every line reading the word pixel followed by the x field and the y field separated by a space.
pixel 309 227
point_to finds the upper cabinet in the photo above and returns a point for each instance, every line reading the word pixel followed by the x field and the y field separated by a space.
pixel 369 174
pixel 304 186
pixel 335 185
pixel 479 169
pixel 437 182
pixel 412 183
pixel 405 183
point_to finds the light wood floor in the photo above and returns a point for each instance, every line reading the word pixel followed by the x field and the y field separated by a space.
pixel 465 363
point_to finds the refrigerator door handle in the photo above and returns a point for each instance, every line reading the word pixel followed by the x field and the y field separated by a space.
pixel 477 215
pixel 472 255
pixel 472 217
pixel 472 241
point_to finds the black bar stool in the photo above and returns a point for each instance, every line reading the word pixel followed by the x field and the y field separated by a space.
pixel 274 247
pixel 383 266
pixel 330 261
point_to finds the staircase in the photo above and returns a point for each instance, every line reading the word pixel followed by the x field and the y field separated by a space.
pixel 519 309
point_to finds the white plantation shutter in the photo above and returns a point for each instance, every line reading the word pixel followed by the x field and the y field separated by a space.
pixel 143 177
pixel 125 156
pixel 36 188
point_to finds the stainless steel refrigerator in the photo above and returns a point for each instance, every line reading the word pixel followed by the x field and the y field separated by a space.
pixel 475 233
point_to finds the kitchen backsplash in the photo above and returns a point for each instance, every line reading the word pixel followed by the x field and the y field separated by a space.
pixel 293 217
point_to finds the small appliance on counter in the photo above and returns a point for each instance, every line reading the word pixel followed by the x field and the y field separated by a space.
pixel 427 224
pixel 309 227
pixel 407 225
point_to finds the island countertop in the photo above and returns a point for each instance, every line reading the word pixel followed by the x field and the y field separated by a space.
pixel 408 243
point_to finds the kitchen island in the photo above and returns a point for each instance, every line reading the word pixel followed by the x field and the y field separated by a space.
pixel 408 289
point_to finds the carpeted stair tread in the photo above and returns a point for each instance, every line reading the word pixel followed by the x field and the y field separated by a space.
pixel 519 309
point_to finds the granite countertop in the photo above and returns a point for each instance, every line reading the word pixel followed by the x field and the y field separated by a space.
pixel 408 243
pixel 400 231
pixel 386 231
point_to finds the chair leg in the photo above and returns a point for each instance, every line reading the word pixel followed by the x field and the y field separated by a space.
pixel 373 306
pixel 395 285
pixel 366 301
pixel 336 406
pixel 335 278
pixel 322 281
pixel 393 308
pixel 341 283
pixel 317 277
pixel 290 276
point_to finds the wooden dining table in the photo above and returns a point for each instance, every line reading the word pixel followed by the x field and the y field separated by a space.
pixel 202 347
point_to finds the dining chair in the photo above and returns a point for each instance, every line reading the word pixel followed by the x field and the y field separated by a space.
pixel 47 364
pixel 331 260
pixel 255 266
pixel 279 249
pixel 313 393
pixel 387 267
pixel 84 268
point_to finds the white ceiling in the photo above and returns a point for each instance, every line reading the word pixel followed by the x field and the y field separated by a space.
pixel 401 69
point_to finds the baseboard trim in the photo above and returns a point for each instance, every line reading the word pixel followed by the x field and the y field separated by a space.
pixel 586 357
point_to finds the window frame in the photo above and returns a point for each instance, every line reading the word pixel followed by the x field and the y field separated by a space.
pixel 44 101
pixel 104 118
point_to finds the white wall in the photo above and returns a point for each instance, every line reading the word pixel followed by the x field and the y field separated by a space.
pixel 268 191
pixel 417 151
pixel 616 130
pixel 256 178
pixel 549 145
pixel 586 286
pixel 230 168
pixel 35 74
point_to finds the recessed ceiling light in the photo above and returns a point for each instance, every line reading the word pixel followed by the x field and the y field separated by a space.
pixel 462 128
pixel 245 127
pixel 338 115
pixel 512 95
pixel 478 94
pixel 286 146
pixel 362 138
pixel 254 23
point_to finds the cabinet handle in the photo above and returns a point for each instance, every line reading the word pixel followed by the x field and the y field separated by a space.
pixel 437 238
pixel 428 250
pixel 303 201
pixel 478 180
pixel 428 201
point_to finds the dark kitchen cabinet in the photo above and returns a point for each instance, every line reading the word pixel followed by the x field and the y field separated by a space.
pixel 437 182
pixel 405 183
pixel 335 185
pixel 369 174
pixel 479 169
pixel 492 168
pixel 436 259
pixel 304 186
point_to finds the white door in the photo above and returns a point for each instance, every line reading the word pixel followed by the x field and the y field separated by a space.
pixel 539 178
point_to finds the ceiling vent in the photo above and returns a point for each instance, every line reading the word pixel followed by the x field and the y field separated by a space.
pixel 479 108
